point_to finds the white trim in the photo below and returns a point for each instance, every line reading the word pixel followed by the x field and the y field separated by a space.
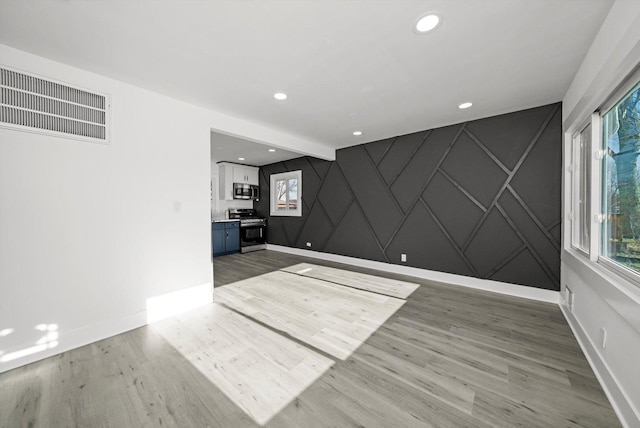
pixel 80 337
pixel 619 293
pixel 629 275
pixel 621 403
pixel 531 293
pixel 599 188
pixel 627 85
pixel 574 172
pixel 596 186
pixel 157 307
pixel 567 189
pixel 578 179
pixel 297 175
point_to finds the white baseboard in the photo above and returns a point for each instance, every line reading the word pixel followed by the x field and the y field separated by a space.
pixel 68 340
pixel 619 400
pixel 157 308
pixel 532 293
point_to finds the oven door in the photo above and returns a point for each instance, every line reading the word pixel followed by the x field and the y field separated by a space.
pixel 252 235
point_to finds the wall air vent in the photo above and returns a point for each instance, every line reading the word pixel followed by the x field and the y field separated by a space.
pixel 31 103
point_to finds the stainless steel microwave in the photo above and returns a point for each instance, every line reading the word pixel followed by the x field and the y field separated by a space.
pixel 245 191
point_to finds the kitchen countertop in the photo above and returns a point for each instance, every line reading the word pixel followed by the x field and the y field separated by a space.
pixel 221 220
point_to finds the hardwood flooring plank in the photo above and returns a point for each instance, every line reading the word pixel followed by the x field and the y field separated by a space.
pixel 495 410
pixel 586 387
pixel 430 382
pixel 439 362
pixel 541 354
pixel 376 284
pixel 497 356
pixel 305 308
pixel 424 407
pixel 460 352
pixel 530 388
pixel 258 369
pixel 25 407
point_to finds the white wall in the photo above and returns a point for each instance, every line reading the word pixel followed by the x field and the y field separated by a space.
pixel 601 299
pixel 89 232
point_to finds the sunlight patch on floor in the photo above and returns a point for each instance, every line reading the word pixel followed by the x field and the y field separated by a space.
pixel 266 339
pixel 362 281
pixel 330 317
pixel 177 302
pixel 260 370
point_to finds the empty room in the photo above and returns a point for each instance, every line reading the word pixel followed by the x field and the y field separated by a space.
pixel 324 213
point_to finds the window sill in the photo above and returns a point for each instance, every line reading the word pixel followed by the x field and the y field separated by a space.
pixel 285 214
pixel 622 282
pixel 617 291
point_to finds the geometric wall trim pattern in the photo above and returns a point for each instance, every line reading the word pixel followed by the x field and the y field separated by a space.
pixel 480 198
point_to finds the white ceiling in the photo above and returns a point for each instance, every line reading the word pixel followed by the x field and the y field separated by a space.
pixel 346 65
pixel 227 148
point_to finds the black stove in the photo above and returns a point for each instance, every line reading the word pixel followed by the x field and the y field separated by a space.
pixel 253 221
pixel 253 229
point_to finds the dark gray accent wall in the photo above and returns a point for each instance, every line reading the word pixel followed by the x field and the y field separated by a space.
pixel 480 198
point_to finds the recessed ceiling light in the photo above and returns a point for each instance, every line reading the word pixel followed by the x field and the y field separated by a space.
pixel 357 132
pixel 272 150
pixel 465 105
pixel 280 96
pixel 427 23
pixel 240 158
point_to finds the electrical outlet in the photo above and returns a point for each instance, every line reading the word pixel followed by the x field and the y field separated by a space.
pixel 177 207
pixel 603 337
pixel 308 244
pixel 403 257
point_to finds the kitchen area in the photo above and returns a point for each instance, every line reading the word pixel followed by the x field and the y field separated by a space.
pixel 234 224
pixel 235 180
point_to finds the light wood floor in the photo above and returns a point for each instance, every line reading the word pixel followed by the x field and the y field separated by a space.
pixel 445 357
pixel 268 338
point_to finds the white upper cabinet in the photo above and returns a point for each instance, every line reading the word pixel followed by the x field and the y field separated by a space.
pixel 230 173
pixel 245 174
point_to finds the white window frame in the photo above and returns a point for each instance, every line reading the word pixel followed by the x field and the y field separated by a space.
pixel 599 185
pixel 273 203
pixel 576 178
pixel 595 253
pixel 596 249
pixel 596 186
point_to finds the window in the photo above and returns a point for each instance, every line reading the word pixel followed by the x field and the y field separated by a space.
pixel 621 183
pixel 605 183
pixel 286 194
pixel 581 194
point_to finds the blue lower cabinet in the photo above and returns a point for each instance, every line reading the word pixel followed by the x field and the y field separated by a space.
pixel 233 237
pixel 225 236
pixel 218 236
